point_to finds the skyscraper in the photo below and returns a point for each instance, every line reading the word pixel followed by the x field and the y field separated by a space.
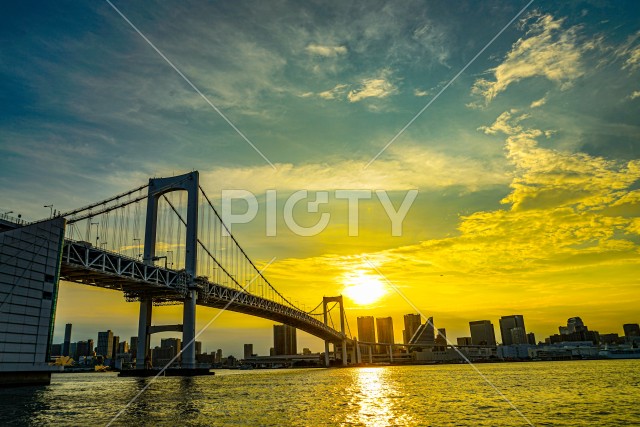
pixel 441 338
pixel 284 340
pixel 507 323
pixel 134 347
pixel 384 325
pixel 482 332
pixel 366 329
pixel 411 325
pixel 105 344
pixel 67 340
pixel 248 351
pixel 116 343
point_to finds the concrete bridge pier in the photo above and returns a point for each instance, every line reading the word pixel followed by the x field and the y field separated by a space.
pixel 144 341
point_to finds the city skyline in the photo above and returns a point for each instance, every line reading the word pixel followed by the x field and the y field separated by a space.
pixel 526 164
pixel 279 334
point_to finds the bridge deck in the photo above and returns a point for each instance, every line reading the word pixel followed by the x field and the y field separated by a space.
pixel 85 264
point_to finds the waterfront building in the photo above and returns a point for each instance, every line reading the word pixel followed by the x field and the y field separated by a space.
pixel 424 336
pixel 464 341
pixel 441 338
pixel 411 324
pixel 366 329
pixel 507 324
pixel 105 344
pixel 631 331
pixel 482 333
pixel 66 350
pixel 248 351
pixel 284 340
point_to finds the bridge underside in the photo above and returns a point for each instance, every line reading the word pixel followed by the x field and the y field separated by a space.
pixel 90 266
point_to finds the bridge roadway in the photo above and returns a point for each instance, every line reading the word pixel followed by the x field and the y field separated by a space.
pixel 85 264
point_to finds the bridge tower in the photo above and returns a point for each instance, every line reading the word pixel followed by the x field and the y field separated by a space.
pixel 157 187
pixel 325 302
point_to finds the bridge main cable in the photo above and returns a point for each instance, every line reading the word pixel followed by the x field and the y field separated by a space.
pixel 103 202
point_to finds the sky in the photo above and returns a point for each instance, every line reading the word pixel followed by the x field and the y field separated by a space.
pixel 526 163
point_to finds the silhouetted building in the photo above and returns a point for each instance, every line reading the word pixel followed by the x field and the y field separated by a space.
pixel 411 324
pixel 441 338
pixel 83 349
pixel 198 347
pixel 218 358
pixel 575 324
pixel 56 350
pixel 116 343
pixel 248 351
pixel 609 339
pixel 123 347
pixel 366 329
pixel 384 325
pixel 284 340
pixel 66 350
pixel 482 333
pixel 631 330
pixel 531 338
pixel 507 324
pixel 133 347
pixel 105 343
pixel 464 341
pixel 424 337
pixel 575 331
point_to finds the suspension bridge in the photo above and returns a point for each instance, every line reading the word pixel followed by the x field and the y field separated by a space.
pixel 164 243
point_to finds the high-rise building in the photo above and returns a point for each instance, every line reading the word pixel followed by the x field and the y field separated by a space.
pixel 66 351
pixel 105 344
pixel 133 347
pixel 507 323
pixel 482 333
pixel 284 340
pixel 424 336
pixel 116 343
pixel 198 347
pixel 82 349
pixel 366 329
pixel 176 343
pixel 384 325
pixel 518 336
pixel 411 324
pixel 123 347
pixel 248 351
pixel 631 330
pixel 531 338
pixel 218 358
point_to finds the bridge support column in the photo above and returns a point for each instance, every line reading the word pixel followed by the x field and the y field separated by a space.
pixel 390 354
pixel 326 354
pixel 144 323
pixel 370 354
pixel 189 331
pixel 344 352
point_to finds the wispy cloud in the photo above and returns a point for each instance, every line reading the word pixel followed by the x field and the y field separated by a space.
pixel 420 92
pixel 547 50
pixel 378 87
pixel 337 92
pixel 635 94
pixel 327 51
pixel 539 103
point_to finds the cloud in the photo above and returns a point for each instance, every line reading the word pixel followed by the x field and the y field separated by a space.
pixel 327 51
pixel 334 93
pixel 420 92
pixel 406 168
pixel 539 103
pixel 546 51
pixel 379 87
pixel 635 94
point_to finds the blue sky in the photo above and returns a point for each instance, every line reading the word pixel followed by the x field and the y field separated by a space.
pixel 89 109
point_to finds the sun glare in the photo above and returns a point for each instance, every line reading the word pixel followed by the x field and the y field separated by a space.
pixel 362 288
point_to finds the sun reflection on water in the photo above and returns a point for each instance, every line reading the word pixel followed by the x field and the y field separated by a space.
pixel 373 392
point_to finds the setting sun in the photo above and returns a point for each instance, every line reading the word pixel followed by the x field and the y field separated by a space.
pixel 362 288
